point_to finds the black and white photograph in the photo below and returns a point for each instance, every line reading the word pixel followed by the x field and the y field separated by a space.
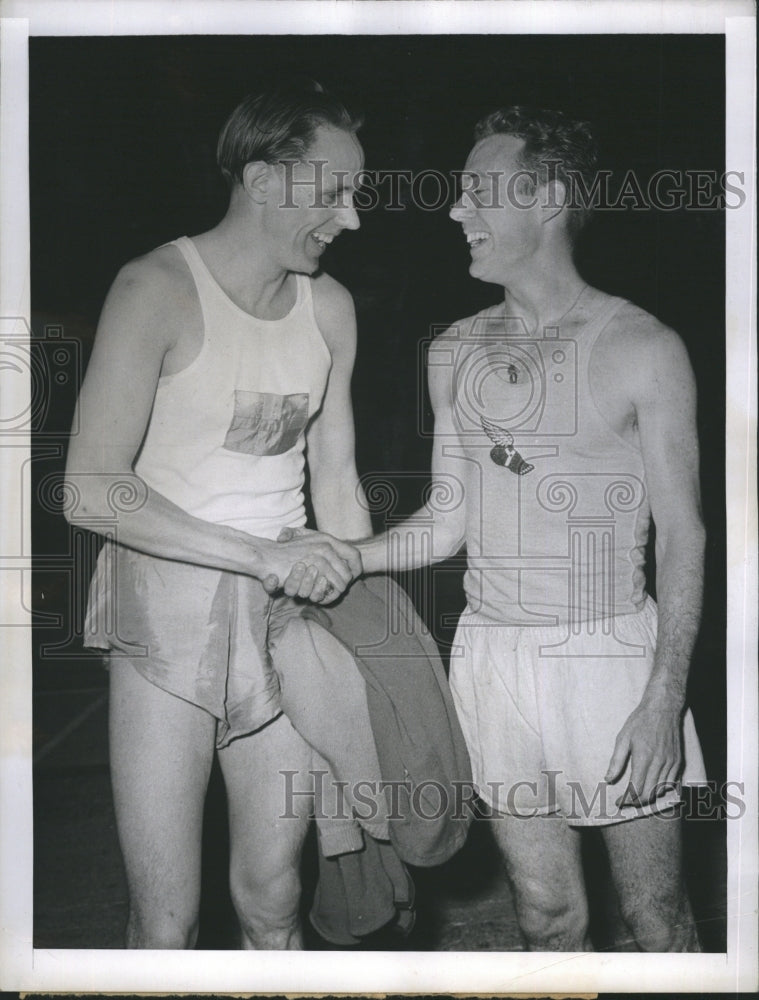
pixel 379 497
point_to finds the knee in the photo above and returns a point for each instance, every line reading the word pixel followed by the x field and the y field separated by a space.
pixel 273 893
pixel 165 930
pixel 267 905
pixel 659 925
pixel 552 918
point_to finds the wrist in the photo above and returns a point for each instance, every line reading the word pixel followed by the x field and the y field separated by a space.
pixel 251 553
pixel 663 694
pixel 373 555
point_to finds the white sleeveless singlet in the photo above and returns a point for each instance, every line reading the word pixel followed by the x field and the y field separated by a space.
pixel 557 510
pixel 225 441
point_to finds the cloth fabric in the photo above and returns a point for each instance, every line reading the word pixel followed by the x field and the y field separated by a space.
pixel 362 682
pixel 541 709
pixel 323 695
pixel 557 511
pixel 422 755
pixel 198 633
pixel 225 439
pixel 362 892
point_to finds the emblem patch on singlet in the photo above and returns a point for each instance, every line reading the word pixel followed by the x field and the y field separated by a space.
pixel 265 423
pixel 504 453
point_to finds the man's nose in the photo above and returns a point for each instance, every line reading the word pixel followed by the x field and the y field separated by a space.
pixel 348 218
pixel 460 210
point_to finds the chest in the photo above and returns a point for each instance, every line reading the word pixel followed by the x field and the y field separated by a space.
pixel 553 388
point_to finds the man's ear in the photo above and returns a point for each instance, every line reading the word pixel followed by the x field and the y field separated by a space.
pixel 256 177
pixel 554 199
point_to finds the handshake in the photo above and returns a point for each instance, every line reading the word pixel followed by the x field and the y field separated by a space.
pixel 311 565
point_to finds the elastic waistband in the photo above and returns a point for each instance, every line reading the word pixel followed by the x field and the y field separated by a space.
pixel 475 619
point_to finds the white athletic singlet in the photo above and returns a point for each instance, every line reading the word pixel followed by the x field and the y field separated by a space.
pixel 557 512
pixel 225 441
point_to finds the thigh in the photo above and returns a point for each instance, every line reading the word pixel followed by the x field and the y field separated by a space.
pixel 161 754
pixel 267 824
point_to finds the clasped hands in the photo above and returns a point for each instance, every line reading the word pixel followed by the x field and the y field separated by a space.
pixel 312 565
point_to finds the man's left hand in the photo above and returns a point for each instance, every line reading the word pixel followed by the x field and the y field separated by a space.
pixel 651 739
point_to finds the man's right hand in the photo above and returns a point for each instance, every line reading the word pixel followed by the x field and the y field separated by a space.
pixel 311 565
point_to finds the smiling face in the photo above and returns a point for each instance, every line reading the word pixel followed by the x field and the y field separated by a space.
pixel 311 201
pixel 498 210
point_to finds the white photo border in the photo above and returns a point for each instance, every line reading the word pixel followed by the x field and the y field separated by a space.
pixel 24 968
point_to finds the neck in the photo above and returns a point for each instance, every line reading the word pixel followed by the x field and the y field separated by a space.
pixel 234 252
pixel 544 292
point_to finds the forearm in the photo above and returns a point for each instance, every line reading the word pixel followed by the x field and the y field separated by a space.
pixel 418 541
pixel 340 507
pixel 680 575
pixel 124 506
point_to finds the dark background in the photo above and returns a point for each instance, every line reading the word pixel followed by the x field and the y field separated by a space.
pixel 123 134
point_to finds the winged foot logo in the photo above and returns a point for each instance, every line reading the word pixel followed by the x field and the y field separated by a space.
pixel 504 453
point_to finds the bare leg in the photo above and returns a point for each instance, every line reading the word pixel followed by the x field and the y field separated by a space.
pixel 265 847
pixel 645 856
pixel 161 753
pixel 542 856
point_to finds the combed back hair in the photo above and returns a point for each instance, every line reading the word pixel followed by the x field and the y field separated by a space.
pixel 554 147
pixel 278 124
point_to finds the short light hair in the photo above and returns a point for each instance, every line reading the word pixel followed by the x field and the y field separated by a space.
pixel 278 124
pixel 550 136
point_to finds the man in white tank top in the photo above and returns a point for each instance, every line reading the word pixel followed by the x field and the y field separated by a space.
pixel 216 358
pixel 564 424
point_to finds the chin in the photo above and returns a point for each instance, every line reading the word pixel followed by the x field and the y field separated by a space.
pixel 305 265
pixel 478 270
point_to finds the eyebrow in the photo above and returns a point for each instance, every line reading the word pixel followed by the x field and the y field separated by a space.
pixel 472 175
pixel 344 184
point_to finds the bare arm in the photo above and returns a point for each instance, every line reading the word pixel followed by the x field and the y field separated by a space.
pixel 338 500
pixel 431 534
pixel 139 327
pixel 336 496
pixel 664 397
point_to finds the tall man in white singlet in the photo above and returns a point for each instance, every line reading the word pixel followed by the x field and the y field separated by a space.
pixel 216 358
pixel 565 424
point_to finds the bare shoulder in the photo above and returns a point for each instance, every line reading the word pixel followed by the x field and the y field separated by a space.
pixel 646 353
pixel 329 293
pixel 467 330
pixel 160 275
pixel 334 311
pixel 446 338
pixel 152 304
pixel 639 334
pixel 488 322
